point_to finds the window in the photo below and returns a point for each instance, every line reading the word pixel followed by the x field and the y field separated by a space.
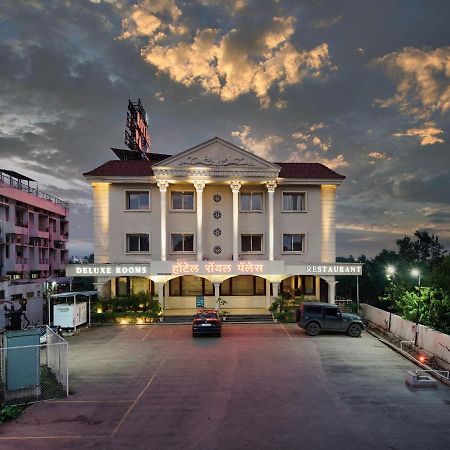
pixel 293 243
pixel 251 201
pixel 309 285
pixel 138 243
pixel 30 294
pixel 190 286
pixel 138 200
pixel 294 202
pixel 183 201
pixel 251 243
pixel 2 294
pixel 331 312
pixel 183 243
pixel 243 285
pixel 314 310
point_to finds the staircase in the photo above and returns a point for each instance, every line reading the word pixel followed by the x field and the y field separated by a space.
pixel 231 318
pixel 249 318
pixel 178 319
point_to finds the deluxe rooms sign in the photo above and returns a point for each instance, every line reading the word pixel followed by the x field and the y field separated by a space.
pixel 107 270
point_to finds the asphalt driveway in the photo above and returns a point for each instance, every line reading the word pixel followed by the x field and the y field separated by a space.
pixel 265 386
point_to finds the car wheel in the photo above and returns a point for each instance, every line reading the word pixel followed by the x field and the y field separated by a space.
pixel 219 334
pixel 313 329
pixel 354 330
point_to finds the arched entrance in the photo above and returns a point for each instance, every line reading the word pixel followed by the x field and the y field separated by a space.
pixel 123 286
pixel 183 291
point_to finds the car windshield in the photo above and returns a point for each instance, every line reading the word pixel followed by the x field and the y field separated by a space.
pixel 206 316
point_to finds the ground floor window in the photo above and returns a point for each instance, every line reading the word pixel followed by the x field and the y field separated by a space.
pixel 190 285
pixel 243 285
pixel 299 285
pixel 133 285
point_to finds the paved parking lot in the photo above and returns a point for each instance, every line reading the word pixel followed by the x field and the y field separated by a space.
pixel 265 386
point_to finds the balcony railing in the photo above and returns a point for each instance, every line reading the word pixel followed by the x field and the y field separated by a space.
pixel 21 260
pixel 20 223
pixel 43 261
pixel 15 183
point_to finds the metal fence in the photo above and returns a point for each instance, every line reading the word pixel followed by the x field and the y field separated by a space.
pixel 31 373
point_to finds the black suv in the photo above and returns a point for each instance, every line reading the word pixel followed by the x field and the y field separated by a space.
pixel 315 317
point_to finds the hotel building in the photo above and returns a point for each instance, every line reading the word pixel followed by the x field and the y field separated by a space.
pixel 218 221
pixel 34 233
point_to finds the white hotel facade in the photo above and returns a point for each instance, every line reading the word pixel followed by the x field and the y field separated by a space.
pixel 218 221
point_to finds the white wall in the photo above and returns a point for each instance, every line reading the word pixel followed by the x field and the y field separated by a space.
pixel 434 342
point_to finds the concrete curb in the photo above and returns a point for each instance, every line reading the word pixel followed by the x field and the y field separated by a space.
pixel 438 377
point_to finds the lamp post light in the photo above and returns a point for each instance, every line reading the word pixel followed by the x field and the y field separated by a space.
pixel 390 272
pixel 416 273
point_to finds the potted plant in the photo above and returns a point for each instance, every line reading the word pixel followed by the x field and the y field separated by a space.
pixel 223 314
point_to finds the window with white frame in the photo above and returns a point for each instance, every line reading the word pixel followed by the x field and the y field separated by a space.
pixel 251 243
pixel 293 243
pixel 182 201
pixel 251 201
pixel 182 243
pixel 294 201
pixel 138 243
pixel 137 200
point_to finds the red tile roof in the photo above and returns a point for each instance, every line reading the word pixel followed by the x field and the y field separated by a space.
pixel 141 168
pixel 307 170
pixel 119 168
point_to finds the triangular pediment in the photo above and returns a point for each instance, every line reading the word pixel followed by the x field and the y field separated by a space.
pixel 217 154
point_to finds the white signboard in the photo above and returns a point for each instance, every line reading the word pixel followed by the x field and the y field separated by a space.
pixel 230 268
pixel 107 270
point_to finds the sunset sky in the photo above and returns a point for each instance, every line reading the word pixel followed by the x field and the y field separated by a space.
pixel 361 86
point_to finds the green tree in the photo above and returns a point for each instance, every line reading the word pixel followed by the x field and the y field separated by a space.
pixel 426 249
pixel 440 275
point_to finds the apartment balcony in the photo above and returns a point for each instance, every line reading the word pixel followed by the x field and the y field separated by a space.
pixel 21 227
pixel 21 264
pixel 43 264
pixel 42 233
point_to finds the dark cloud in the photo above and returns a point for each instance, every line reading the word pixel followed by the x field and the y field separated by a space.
pixel 65 80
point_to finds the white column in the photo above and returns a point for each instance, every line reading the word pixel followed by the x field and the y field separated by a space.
pixel 161 294
pixel 217 292
pixel 331 290
pixel 275 288
pixel 271 186
pixel 328 196
pixel 235 186
pixel 199 186
pixel 163 185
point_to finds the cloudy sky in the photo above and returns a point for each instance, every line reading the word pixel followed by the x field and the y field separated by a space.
pixel 361 86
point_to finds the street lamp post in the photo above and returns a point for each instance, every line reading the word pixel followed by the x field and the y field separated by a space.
pixel 416 273
pixel 390 272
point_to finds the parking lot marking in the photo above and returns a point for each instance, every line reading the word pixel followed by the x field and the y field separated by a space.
pixel 27 438
pixel 148 332
pixel 286 331
pixel 128 411
pixel 89 401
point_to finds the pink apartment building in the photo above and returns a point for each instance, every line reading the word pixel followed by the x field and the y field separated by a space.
pixel 34 233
